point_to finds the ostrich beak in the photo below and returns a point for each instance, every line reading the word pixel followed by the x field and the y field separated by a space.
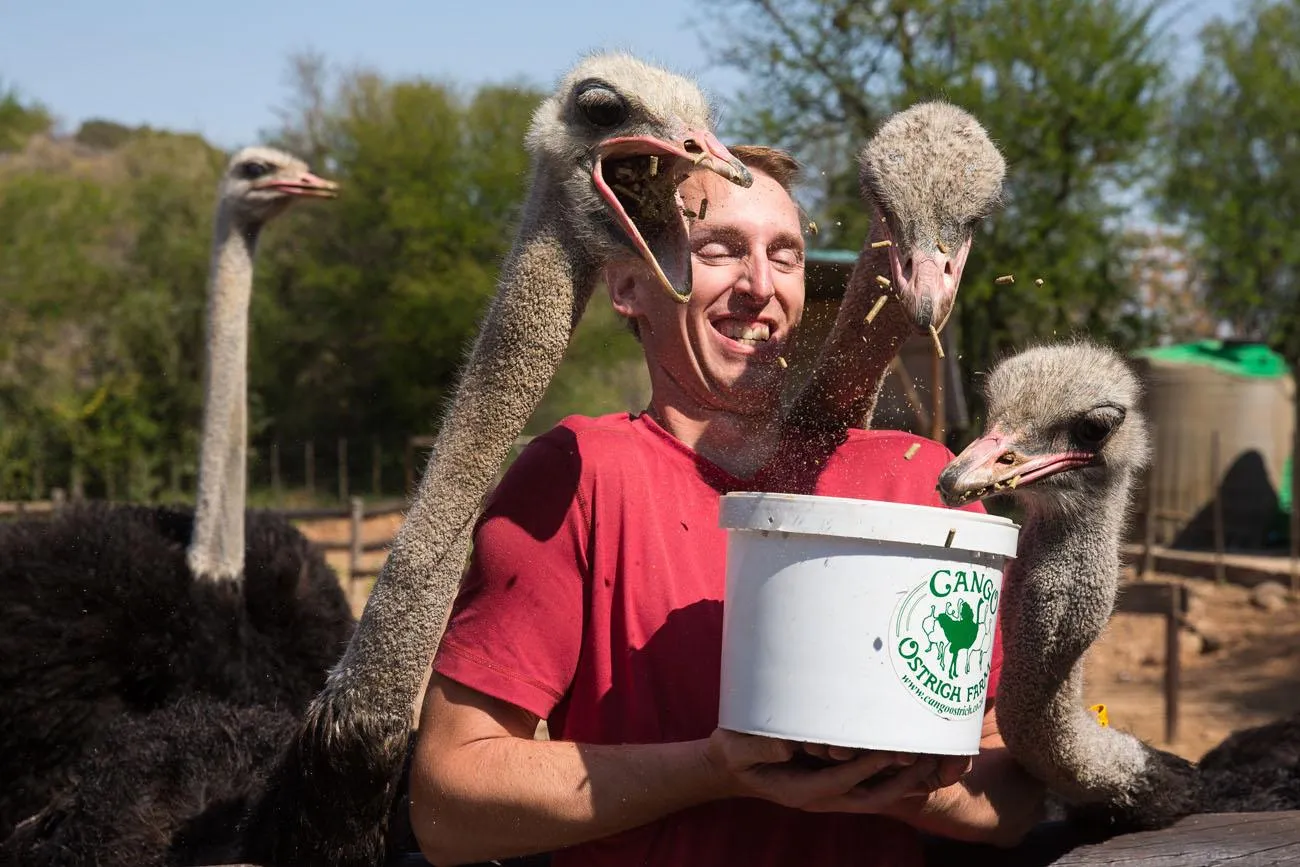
pixel 645 178
pixel 994 464
pixel 926 279
pixel 306 185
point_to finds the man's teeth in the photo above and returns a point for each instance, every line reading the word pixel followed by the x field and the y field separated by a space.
pixel 755 331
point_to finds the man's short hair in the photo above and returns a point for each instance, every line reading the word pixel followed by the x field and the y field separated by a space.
pixel 779 165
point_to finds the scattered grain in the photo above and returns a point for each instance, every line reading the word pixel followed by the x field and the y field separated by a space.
pixel 1015 480
pixel 654 166
pixel 1005 279
pixel 875 309
pixel 1038 282
pixel 883 281
pixel 911 451
pixel 943 248
pixel 952 534
pixel 812 226
pixel 780 362
pixel 704 206
pixel 619 188
pixel 876 245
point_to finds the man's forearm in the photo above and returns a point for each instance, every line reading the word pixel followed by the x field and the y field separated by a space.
pixel 997 802
pixel 506 796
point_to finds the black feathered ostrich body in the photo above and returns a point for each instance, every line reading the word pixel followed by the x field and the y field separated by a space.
pixel 112 610
pixel 609 149
pixel 1065 439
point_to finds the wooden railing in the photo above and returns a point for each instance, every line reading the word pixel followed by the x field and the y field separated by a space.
pixel 1168 599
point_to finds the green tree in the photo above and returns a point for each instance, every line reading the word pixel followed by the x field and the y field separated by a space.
pixel 369 306
pixel 20 120
pixel 104 134
pixel 1234 177
pixel 362 308
pixel 1234 173
pixel 1070 90
pixel 102 269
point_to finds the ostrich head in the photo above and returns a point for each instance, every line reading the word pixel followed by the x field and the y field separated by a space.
pixel 260 183
pixel 1064 427
pixel 620 136
pixel 932 173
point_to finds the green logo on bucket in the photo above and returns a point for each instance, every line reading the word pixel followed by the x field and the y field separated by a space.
pixel 941 641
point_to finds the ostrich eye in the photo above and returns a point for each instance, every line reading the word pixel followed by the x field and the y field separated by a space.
pixel 602 107
pixel 1093 429
pixel 254 170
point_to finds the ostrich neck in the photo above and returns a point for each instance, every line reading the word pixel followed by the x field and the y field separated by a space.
pixel 1060 595
pixel 544 287
pixel 852 363
pixel 216 549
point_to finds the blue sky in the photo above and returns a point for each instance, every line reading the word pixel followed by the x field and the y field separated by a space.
pixel 218 68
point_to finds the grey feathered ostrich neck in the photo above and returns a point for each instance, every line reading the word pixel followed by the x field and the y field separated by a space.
pixel 1065 438
pixel 928 176
pixel 257 186
pixel 609 149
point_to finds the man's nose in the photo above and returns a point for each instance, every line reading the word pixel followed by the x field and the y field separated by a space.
pixel 756 279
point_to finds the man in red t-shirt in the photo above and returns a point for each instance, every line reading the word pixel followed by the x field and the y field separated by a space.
pixel 594 601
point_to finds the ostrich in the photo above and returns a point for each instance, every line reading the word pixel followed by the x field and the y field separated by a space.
pixel 108 610
pixel 609 149
pixel 612 117
pixel 930 173
pixel 960 632
pixel 1065 438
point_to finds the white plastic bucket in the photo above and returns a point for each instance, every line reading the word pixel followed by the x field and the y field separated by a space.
pixel 859 623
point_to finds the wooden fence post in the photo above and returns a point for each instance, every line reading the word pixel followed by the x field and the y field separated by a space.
pixel 376 460
pixel 358 517
pixel 408 469
pixel 1173 659
pixel 309 468
pixel 343 469
pixel 358 520
pixel 38 477
pixel 1149 542
pixel 275 470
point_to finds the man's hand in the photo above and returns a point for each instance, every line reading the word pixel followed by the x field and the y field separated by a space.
pixel 948 770
pixel 859 781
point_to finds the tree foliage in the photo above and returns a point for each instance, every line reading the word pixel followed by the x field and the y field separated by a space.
pixel 362 307
pixel 1233 178
pixel 19 119
pixel 1071 92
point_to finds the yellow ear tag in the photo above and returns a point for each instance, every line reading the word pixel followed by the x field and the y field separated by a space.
pixel 1100 711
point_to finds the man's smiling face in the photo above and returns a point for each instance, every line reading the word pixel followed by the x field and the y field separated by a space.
pixel 720 349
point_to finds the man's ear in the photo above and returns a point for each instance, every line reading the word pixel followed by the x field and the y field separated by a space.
pixel 623 294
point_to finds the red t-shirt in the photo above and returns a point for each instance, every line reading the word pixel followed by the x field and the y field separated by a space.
pixel 594 600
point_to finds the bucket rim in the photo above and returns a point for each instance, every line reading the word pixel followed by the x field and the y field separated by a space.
pixel 869 520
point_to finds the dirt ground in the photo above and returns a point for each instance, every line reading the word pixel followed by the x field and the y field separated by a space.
pixel 1247 673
